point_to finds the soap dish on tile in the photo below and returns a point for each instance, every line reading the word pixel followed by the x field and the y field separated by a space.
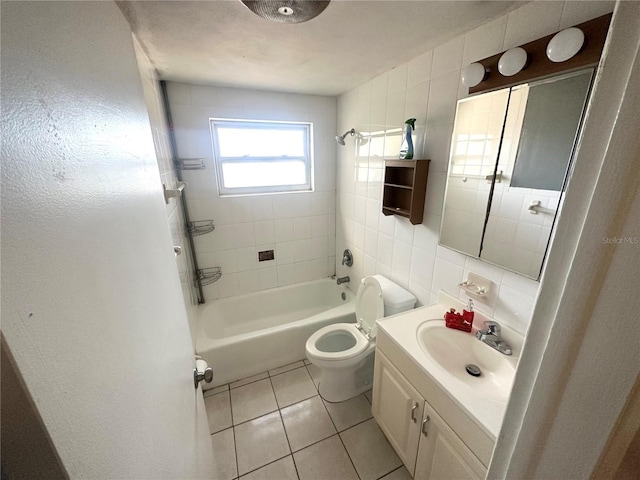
pixel 476 286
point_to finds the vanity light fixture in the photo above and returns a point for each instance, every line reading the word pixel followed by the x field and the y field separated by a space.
pixel 473 74
pixel 565 44
pixel 512 61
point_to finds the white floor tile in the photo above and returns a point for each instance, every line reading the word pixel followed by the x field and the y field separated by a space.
pixel 252 401
pixel 349 413
pixel 218 409
pixel 306 422
pixel 369 450
pixel 245 381
pixel 369 395
pixel 286 368
pixel 293 386
pixel 224 455
pixel 400 474
pixel 259 442
pixel 314 372
pixel 325 460
pixel 213 391
pixel 283 469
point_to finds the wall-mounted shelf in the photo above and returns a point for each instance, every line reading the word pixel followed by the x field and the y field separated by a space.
pixel 405 186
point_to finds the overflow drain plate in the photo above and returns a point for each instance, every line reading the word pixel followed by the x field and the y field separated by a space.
pixel 473 370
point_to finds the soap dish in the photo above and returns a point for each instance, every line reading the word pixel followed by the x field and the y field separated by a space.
pixel 477 287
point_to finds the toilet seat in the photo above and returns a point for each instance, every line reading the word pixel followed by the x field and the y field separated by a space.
pixel 369 308
pixel 369 305
pixel 360 342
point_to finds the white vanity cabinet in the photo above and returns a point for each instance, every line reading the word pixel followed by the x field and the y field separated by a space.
pixel 398 409
pixel 429 448
pixel 441 453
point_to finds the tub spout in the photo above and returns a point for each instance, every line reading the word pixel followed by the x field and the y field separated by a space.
pixel 341 280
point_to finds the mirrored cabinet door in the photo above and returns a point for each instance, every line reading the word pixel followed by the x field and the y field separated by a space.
pixel 511 151
pixel 474 153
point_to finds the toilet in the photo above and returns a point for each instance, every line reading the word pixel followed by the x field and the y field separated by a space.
pixel 344 352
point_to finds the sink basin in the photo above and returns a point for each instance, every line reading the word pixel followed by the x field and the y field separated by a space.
pixel 453 350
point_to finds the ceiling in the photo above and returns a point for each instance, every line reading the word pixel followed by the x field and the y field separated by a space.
pixel 221 42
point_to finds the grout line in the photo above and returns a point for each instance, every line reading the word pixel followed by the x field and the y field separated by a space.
pixel 267 464
pixel 389 473
pixel 235 445
pixel 340 438
pixel 248 383
pixel 255 418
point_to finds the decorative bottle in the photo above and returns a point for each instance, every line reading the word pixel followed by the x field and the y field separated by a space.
pixel 406 149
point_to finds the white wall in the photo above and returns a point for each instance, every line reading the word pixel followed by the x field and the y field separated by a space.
pixel 428 88
pixel 160 132
pixel 300 227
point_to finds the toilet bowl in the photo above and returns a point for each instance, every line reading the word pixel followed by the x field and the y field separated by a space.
pixel 344 352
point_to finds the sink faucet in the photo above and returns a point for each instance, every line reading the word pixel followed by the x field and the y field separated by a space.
pixel 491 336
pixel 341 280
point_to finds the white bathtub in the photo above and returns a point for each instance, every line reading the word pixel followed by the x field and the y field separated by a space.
pixel 249 334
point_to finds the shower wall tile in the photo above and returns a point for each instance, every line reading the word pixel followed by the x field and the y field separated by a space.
pixel 299 227
pixel 428 88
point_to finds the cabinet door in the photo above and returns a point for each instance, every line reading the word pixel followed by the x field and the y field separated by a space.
pixel 397 407
pixel 442 455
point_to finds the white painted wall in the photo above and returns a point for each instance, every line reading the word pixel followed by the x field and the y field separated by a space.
pixel 300 227
pixel 92 308
pixel 160 132
pixel 428 88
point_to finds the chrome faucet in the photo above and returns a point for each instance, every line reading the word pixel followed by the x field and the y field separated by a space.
pixel 341 280
pixel 491 336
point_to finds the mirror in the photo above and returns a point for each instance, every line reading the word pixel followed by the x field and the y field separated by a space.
pixel 510 154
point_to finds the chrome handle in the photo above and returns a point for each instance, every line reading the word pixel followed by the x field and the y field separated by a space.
pixel 413 412
pixel 207 376
pixel 424 426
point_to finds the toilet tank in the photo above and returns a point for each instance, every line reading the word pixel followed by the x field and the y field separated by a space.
pixel 396 299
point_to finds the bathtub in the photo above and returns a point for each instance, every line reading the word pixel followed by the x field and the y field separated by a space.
pixel 249 334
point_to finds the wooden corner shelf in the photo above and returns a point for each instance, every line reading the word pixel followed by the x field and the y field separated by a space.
pixel 405 186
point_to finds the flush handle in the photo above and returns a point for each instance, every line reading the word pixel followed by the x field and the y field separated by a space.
pixel 413 412
pixel 424 426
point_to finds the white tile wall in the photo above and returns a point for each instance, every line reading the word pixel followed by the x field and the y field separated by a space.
pixel 428 88
pixel 299 227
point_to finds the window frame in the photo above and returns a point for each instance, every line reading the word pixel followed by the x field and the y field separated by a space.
pixel 219 160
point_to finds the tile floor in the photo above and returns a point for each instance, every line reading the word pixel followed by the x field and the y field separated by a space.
pixel 275 426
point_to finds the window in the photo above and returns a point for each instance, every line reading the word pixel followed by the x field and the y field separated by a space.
pixel 254 156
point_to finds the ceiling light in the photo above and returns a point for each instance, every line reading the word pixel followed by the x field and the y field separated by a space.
pixel 565 44
pixel 286 11
pixel 512 61
pixel 473 74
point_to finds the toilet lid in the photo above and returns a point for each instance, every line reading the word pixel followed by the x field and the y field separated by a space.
pixel 369 305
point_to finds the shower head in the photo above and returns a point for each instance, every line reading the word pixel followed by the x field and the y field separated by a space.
pixel 340 138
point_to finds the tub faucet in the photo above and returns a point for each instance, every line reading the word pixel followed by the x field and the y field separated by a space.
pixel 491 336
pixel 341 280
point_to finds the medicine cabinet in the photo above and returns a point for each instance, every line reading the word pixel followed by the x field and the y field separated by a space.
pixel 510 154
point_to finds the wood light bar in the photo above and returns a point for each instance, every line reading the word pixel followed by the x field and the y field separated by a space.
pixel 539 66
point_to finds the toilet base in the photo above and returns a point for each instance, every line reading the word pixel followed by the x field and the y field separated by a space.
pixel 338 385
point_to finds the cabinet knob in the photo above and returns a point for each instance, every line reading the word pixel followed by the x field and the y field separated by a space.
pixel 424 426
pixel 413 412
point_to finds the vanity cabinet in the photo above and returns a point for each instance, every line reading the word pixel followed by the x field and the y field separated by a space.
pixel 429 448
pixel 405 186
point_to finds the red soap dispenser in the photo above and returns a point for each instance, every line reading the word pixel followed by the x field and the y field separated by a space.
pixel 467 316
